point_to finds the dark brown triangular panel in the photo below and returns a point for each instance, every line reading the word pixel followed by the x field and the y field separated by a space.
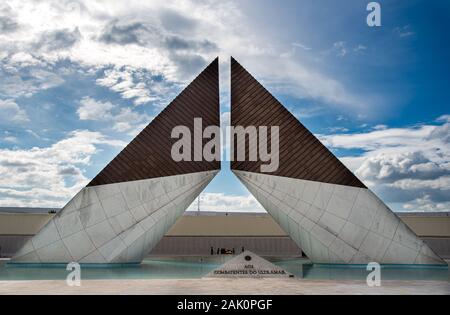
pixel 149 154
pixel 302 155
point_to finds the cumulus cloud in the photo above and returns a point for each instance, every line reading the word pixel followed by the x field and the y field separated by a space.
pixel 227 203
pixel 289 77
pixel 10 139
pixel 48 176
pixel 340 48
pixel 11 112
pixel 403 31
pixel 130 121
pixel 22 74
pixel 171 40
pixel 405 165
pixel 58 39
pixel 123 119
pixel 91 109
pixel 8 24
pixel 129 83
pixel 131 33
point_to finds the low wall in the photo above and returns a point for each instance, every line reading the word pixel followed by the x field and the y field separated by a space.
pixel 201 246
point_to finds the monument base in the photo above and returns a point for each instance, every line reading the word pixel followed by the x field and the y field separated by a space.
pixel 249 265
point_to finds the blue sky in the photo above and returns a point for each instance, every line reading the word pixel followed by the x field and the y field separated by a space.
pixel 78 79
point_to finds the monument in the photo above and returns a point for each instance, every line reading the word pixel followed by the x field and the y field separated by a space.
pixel 129 206
pixel 249 265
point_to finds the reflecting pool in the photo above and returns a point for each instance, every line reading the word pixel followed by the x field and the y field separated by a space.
pixel 195 268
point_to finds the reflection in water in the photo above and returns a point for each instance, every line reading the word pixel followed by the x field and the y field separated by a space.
pixel 197 268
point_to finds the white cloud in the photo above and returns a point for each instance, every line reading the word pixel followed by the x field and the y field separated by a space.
pixel 340 48
pixel 404 31
pixel 91 109
pixel 293 51
pixel 23 59
pixel 122 81
pixel 444 118
pixel 123 119
pixel 441 183
pixel 171 40
pixel 129 121
pixel 299 45
pixel 425 204
pixel 289 77
pixel 10 139
pixel 24 75
pixel 380 127
pixel 219 202
pixel 359 48
pixel 406 165
pixel 10 111
pixel 48 176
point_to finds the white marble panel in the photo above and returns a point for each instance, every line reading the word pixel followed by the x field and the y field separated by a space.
pixel 106 191
pixel 92 215
pixel 73 204
pixel 93 258
pixel 314 213
pixel 397 253
pixel 385 223
pixel 407 238
pixel 339 206
pixel 54 253
pixel 30 258
pixel 68 224
pixel 323 196
pixel 48 234
pixel 342 250
pixel 322 235
pixel 343 223
pixel 353 234
pixel 362 216
pixel 135 251
pixel 114 205
pixel 125 220
pixel 130 195
pixel 319 252
pixel 138 213
pixel 101 233
pixel 332 223
pixel 89 236
pixel 375 246
pixel 310 191
pixel 112 249
pixel 79 245
pixel 88 197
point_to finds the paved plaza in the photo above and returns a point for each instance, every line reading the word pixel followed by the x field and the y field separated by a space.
pixel 225 287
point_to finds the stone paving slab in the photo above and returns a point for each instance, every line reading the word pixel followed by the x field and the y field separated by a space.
pixel 224 287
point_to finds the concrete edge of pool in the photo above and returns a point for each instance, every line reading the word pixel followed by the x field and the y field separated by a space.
pixel 193 268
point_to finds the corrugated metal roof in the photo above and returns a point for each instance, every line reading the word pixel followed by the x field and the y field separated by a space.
pixel 302 155
pixel 149 154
